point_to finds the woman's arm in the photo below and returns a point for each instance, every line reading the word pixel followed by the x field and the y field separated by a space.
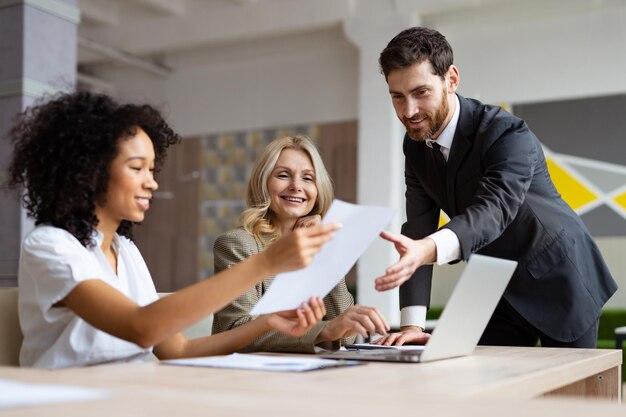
pixel 106 309
pixel 346 320
pixel 234 317
pixel 342 321
pixel 337 302
pixel 229 250
pixel 292 323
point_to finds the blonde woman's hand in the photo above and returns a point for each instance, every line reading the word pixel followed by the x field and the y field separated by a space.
pixel 308 221
pixel 297 322
pixel 356 319
pixel 297 249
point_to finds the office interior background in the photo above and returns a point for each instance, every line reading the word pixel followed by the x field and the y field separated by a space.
pixel 234 74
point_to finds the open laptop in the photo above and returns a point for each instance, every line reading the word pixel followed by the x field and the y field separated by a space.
pixel 462 322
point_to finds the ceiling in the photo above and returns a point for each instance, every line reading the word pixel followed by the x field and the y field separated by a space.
pixel 141 33
pixel 155 35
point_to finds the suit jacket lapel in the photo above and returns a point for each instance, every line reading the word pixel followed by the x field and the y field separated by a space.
pixel 460 147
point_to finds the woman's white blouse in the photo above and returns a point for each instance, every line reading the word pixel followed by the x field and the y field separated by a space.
pixel 52 263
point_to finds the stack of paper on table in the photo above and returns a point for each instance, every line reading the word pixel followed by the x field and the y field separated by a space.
pixel 22 394
pixel 262 362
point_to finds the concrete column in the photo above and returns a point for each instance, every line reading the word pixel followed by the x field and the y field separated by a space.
pixel 380 158
pixel 37 57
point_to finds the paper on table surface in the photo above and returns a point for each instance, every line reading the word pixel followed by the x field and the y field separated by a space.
pixel 261 362
pixel 23 394
pixel 361 225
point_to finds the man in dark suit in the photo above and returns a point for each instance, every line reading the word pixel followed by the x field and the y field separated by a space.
pixel 486 170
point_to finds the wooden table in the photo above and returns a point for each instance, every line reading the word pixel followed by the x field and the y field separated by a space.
pixel 492 381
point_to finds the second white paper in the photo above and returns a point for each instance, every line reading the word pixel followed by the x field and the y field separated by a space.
pixel 361 225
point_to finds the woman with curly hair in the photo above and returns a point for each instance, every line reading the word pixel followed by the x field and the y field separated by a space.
pixel 289 190
pixel 86 165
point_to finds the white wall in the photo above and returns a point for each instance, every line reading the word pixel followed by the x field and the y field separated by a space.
pixel 539 50
pixel 308 78
pixel 515 52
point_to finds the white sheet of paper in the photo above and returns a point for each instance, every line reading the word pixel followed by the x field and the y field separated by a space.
pixel 361 225
pixel 22 394
pixel 259 362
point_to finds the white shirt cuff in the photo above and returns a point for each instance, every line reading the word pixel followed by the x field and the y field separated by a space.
pixel 413 316
pixel 448 246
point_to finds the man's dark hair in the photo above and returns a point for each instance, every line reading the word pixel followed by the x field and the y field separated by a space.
pixel 63 149
pixel 414 46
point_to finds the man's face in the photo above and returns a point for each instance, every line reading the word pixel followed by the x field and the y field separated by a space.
pixel 421 99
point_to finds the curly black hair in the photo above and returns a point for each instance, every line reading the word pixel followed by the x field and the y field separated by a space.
pixel 63 148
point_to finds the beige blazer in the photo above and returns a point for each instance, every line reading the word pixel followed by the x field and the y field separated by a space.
pixel 237 245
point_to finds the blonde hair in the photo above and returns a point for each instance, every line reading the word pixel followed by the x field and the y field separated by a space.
pixel 258 219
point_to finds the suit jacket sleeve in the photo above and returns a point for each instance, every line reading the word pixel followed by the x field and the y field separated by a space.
pixel 422 219
pixel 233 247
pixel 509 155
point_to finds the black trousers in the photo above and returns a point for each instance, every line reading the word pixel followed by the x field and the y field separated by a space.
pixel 508 328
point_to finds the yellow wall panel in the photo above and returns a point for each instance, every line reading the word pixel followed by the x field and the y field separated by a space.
pixel 621 200
pixel 573 192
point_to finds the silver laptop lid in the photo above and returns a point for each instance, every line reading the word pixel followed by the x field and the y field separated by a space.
pixel 469 308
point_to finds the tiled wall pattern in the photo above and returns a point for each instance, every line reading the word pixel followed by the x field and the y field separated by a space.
pixel 226 160
pixel 584 144
pixel 595 188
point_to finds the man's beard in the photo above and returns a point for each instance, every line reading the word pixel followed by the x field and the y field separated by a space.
pixel 434 122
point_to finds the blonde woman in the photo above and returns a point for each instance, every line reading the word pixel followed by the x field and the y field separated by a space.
pixel 289 188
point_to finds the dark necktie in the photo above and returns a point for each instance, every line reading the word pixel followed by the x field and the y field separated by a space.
pixel 440 162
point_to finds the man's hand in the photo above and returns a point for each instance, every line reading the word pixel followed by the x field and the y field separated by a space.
pixel 356 319
pixel 409 334
pixel 413 254
pixel 297 322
